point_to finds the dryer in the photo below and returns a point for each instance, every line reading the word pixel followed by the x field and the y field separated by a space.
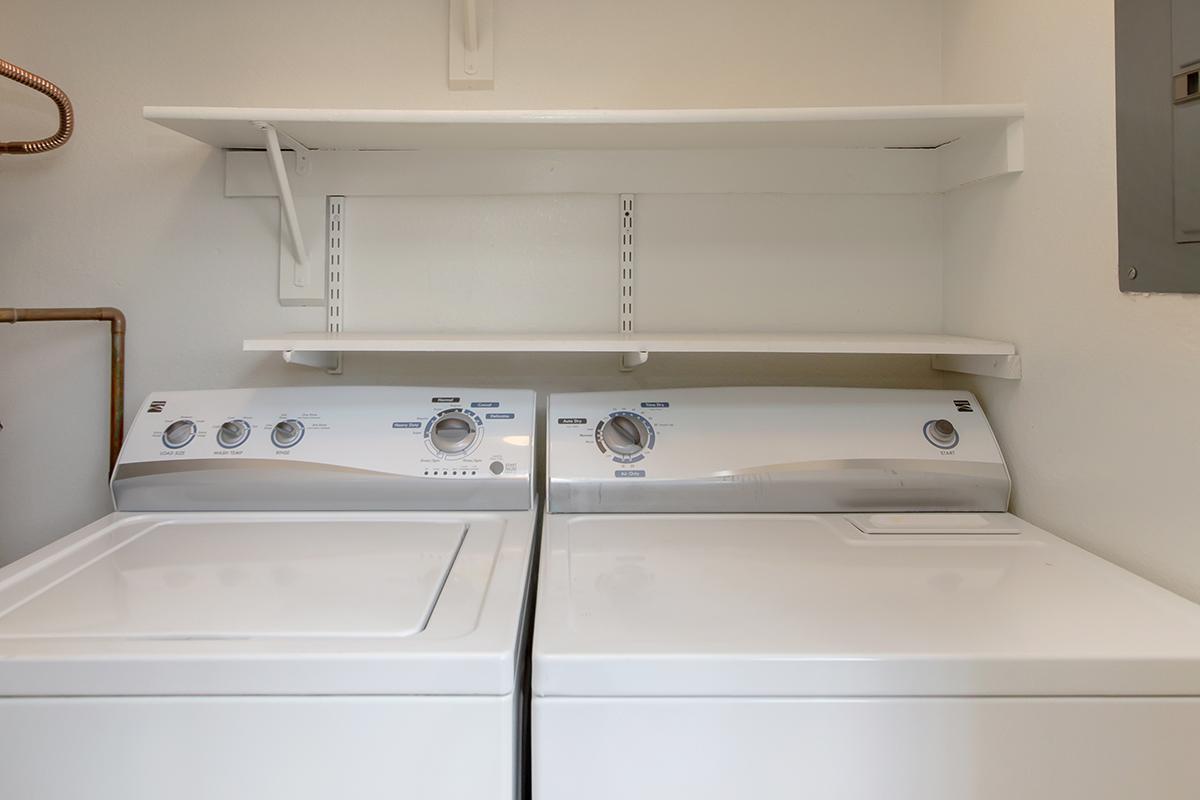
pixel 819 593
pixel 303 593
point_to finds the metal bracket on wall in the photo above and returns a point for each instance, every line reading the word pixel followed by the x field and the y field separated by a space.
pixel 627 263
pixel 331 362
pixel 275 154
pixel 335 276
pixel 335 306
pixel 295 279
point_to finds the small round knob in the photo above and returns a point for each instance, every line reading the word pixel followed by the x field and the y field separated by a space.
pixel 941 432
pixel 624 434
pixel 179 433
pixel 453 432
pixel 233 433
pixel 287 433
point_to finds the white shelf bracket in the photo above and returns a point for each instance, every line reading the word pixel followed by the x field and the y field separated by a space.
pixel 634 359
pixel 471 45
pixel 983 155
pixel 331 362
pixel 303 154
pixel 1008 367
pixel 286 199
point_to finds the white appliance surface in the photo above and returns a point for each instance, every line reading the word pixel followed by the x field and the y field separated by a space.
pixel 303 593
pixel 797 605
pixel 798 592
pixel 179 579
pixel 270 603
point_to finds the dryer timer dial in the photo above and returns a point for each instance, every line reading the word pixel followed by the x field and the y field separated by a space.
pixel 625 434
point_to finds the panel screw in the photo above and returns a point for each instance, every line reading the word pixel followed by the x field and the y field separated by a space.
pixel 1131 273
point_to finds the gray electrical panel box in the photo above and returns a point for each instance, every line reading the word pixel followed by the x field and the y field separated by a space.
pixel 1158 144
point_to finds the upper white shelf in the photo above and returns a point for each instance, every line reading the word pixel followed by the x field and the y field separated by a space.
pixel 925 126
pixel 955 353
pixel 863 343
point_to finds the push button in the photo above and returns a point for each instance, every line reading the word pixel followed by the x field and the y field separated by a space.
pixel 941 433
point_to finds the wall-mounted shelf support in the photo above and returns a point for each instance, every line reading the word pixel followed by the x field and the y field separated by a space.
pixel 634 359
pixel 286 199
pixel 625 284
pixel 329 361
pixel 1008 367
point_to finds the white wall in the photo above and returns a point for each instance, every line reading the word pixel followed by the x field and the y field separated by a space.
pixel 132 215
pixel 1103 432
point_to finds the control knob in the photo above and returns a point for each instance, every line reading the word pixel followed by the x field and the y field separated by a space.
pixel 287 433
pixel 179 433
pixel 453 432
pixel 625 434
pixel 233 433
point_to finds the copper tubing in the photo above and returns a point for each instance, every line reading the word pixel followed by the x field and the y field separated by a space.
pixel 116 375
pixel 66 114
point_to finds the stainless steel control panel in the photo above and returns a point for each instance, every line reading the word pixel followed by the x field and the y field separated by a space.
pixel 329 448
pixel 772 449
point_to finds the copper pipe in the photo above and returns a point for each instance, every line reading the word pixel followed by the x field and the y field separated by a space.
pixel 66 114
pixel 116 374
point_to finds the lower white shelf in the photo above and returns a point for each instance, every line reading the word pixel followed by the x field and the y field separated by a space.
pixel 954 353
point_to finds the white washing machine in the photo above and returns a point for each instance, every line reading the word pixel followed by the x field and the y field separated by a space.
pixel 817 593
pixel 304 593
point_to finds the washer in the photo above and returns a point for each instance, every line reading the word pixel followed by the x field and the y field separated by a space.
pixel 803 592
pixel 303 593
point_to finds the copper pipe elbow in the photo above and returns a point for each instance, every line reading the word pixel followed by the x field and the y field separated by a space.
pixel 66 113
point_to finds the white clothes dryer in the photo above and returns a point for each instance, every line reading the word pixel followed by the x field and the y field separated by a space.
pixel 785 593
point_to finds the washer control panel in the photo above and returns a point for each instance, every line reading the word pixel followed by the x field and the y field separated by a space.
pixel 329 448
pixel 790 449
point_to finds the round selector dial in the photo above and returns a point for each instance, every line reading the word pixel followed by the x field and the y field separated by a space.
pixel 453 432
pixel 625 434
pixel 287 433
pixel 179 433
pixel 941 433
pixel 233 433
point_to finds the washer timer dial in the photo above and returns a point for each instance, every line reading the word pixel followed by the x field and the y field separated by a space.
pixel 454 432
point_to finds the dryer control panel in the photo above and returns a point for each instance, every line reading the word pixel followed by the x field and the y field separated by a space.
pixel 784 449
pixel 329 448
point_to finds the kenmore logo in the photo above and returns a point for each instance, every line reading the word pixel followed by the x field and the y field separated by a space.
pixel 156 406
pixel 964 406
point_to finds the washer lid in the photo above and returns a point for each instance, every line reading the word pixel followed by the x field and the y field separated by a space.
pixel 810 605
pixel 179 580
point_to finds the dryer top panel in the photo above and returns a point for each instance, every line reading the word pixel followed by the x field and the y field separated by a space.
pixel 368 448
pixel 774 450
